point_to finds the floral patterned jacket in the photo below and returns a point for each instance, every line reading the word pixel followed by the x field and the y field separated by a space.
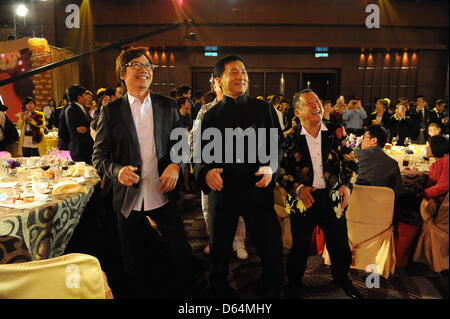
pixel 338 161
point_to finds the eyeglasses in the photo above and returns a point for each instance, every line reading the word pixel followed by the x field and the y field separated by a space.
pixel 139 66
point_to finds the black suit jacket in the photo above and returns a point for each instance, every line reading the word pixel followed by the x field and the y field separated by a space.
pixel 80 143
pixel 117 144
pixel 244 112
pixel 436 117
pixel 419 120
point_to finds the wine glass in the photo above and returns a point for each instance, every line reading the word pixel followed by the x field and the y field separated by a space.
pixel 394 140
pixel 407 141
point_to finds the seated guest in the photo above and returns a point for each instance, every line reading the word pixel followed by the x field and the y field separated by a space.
pixel 375 167
pixel 31 123
pixel 437 185
pixel 434 129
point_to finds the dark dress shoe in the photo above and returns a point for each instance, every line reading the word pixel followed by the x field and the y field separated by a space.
pixel 294 290
pixel 352 292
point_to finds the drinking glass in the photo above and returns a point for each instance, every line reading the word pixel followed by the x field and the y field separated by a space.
pixel 407 141
pixel 394 140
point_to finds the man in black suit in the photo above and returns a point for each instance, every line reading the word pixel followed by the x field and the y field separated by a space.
pixel 78 123
pixel 132 148
pixel 240 186
pixel 317 172
pixel 438 116
pixel 420 118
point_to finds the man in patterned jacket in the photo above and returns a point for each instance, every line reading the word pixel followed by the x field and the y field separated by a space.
pixel 317 171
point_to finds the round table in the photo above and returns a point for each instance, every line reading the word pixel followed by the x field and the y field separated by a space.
pixel 47 229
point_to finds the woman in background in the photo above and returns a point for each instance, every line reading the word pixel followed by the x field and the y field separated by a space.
pixel 31 123
pixel 48 110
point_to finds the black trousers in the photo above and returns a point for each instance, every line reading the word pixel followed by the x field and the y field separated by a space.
pixel 30 151
pixel 322 214
pixel 157 262
pixel 225 207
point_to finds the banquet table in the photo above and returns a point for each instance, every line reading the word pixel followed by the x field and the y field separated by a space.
pixel 47 228
pixel 415 175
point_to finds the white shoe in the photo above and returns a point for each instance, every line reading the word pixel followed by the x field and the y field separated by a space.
pixel 241 253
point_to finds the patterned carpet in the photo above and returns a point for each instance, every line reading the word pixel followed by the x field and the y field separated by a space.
pixel 414 282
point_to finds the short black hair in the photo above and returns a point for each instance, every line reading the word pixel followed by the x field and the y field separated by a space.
pixel 380 133
pixel 438 145
pixel 182 100
pixel 219 68
pixel 183 89
pixel 74 91
pixel 326 102
pixel 26 101
pixel 420 96
pixel 198 94
pixel 440 102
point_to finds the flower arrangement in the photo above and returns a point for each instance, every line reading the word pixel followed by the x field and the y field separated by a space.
pixel 12 164
pixel 353 141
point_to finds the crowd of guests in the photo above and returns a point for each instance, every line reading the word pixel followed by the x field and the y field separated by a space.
pixel 125 131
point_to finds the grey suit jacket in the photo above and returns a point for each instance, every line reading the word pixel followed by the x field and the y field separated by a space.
pixel 378 169
pixel 117 144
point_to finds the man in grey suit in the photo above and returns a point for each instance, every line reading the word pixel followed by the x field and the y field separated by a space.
pixel 375 167
pixel 132 148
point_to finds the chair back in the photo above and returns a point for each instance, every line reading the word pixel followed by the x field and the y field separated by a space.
pixel 441 219
pixel 370 231
pixel 71 276
pixel 370 211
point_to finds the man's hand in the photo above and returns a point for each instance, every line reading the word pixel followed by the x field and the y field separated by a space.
pixel 168 179
pixel 305 195
pixel 82 129
pixel 213 179
pixel 358 104
pixel 345 192
pixel 266 173
pixel 127 177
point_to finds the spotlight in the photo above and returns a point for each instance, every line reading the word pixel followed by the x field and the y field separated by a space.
pixel 21 10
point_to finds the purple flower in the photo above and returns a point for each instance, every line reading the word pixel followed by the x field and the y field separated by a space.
pixel 409 152
pixel 12 164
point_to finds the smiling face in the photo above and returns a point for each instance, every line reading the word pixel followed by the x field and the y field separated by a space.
pixel 234 79
pixel 434 130
pixel 311 110
pixel 137 80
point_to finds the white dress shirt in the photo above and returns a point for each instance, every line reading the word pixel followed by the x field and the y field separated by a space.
pixel 148 195
pixel 315 151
